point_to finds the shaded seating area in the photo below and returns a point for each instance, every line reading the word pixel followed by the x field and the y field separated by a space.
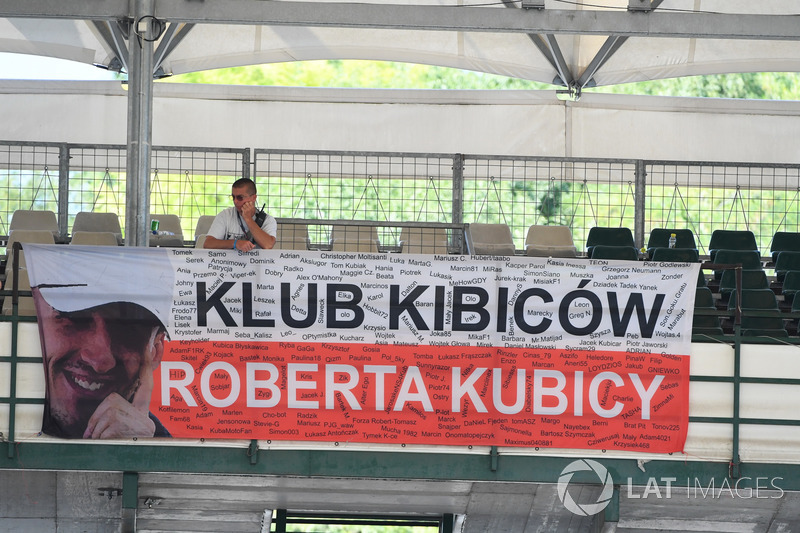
pixel 550 241
pixel 490 239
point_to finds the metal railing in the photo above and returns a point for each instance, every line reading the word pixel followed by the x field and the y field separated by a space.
pixel 386 187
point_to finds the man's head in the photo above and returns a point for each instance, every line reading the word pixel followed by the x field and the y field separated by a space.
pixel 92 353
pixel 242 191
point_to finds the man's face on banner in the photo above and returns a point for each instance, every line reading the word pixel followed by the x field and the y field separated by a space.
pixel 104 354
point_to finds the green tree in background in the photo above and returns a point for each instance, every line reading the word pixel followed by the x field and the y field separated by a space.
pixel 388 75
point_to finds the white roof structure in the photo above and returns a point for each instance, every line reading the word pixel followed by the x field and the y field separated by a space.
pixel 575 43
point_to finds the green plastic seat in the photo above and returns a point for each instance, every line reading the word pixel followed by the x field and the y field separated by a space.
pixel 749 259
pixel 608 237
pixel 723 239
pixel 784 241
pixel 705 324
pixel 784 262
pixel 659 238
pixel 770 321
pixel 626 253
pixel 790 286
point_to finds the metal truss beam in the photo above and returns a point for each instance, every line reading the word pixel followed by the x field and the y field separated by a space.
pixel 785 27
pixel 378 464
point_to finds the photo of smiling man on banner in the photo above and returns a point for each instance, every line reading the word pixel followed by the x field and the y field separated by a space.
pixel 102 324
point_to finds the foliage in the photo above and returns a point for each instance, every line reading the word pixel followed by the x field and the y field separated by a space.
pixel 376 74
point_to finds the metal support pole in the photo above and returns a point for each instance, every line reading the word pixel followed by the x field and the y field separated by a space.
pixel 63 191
pixel 458 201
pixel 130 501
pixel 140 111
pixel 640 194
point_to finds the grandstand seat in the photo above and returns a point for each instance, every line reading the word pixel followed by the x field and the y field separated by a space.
pixel 762 301
pixel 23 236
pixel 751 279
pixel 624 253
pixel 675 255
pixel 749 259
pixel 292 237
pixel 679 255
pixel 170 224
pixel 550 241
pixel 659 238
pixel 790 286
pixel 347 238
pixel 784 262
pixel 794 323
pixel 490 239
pixel 423 240
pixel 25 306
pixel 608 237
pixel 94 238
pixel 203 225
pixel 103 222
pixel 722 239
pixel 703 324
pixel 31 219
pixel 784 241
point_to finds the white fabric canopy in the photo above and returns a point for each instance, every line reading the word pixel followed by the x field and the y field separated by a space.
pixel 512 53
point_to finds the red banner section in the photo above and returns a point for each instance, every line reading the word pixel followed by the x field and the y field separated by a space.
pixel 457 395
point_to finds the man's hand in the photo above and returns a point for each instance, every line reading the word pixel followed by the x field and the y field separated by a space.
pixel 248 210
pixel 117 417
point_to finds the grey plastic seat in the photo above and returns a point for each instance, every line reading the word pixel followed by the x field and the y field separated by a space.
pixel 351 238
pixel 490 239
pixel 424 240
pixel 292 237
pixel 39 236
pixel 94 238
pixel 32 219
pixel 25 305
pixel 98 222
pixel 203 225
pixel 170 224
pixel 550 241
